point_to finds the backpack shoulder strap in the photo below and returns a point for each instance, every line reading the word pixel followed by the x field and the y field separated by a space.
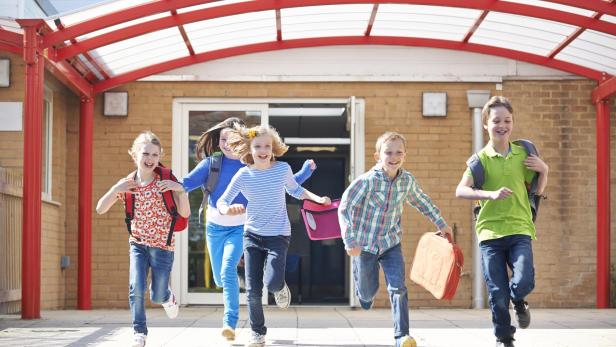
pixel 212 180
pixel 214 174
pixel 129 205
pixel 474 164
pixel 165 174
pixel 530 148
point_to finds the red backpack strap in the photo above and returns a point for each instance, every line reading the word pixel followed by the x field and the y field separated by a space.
pixel 129 206
pixel 165 174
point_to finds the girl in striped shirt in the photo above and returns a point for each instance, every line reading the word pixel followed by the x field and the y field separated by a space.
pixel 267 230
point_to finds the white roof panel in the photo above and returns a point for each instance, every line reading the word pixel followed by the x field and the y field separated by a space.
pixel 423 21
pixel 325 21
pixel 554 6
pixel 521 33
pixel 232 31
pixel 592 49
pixel 141 51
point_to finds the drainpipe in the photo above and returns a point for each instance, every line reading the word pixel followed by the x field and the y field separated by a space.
pixel 476 99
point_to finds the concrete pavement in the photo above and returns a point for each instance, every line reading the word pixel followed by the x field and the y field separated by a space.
pixel 306 326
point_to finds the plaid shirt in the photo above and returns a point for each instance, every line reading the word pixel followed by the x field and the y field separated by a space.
pixel 371 207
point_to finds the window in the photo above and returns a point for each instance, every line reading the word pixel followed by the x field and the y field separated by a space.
pixel 47 141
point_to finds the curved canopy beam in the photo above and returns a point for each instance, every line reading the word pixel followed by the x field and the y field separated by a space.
pixel 345 40
pixel 73 31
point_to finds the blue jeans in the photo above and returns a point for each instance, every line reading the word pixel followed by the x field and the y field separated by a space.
pixel 515 252
pixel 224 243
pixel 366 274
pixel 265 261
pixel 142 258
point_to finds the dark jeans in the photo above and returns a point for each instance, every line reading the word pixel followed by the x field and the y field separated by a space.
pixel 515 252
pixel 366 274
pixel 265 261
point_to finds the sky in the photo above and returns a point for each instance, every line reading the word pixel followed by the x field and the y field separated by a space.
pixel 69 5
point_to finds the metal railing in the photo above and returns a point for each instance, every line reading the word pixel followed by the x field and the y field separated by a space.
pixel 10 240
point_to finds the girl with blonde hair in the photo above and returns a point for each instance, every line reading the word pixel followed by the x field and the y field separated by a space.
pixel 267 231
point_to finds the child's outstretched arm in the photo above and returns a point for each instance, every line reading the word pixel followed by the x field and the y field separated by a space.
pixel 352 198
pixel 422 203
pixel 465 191
pixel 324 200
pixel 106 201
pixel 306 171
pixel 536 164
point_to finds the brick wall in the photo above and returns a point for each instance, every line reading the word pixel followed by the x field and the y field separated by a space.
pixel 53 213
pixel 557 116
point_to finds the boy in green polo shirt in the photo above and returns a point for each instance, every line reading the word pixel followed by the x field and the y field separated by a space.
pixel 504 224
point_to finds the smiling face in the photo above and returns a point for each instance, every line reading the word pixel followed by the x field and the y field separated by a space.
pixel 261 150
pixel 499 124
pixel 391 156
pixel 222 143
pixel 147 158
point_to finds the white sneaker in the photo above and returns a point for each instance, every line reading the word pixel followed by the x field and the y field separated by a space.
pixel 139 340
pixel 228 333
pixel 256 339
pixel 171 307
pixel 283 297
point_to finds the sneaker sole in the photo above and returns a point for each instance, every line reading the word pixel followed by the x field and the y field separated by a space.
pixel 288 303
pixel 228 334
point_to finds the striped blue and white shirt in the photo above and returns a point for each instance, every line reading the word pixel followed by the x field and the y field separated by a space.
pixel 371 208
pixel 266 210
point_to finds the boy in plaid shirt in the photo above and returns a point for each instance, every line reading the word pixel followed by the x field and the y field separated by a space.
pixel 369 215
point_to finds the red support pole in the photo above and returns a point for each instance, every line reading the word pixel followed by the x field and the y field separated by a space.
pixel 603 204
pixel 86 125
pixel 31 215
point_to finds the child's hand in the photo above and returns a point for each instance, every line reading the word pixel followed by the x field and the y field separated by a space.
pixel 535 163
pixel 500 194
pixel 236 209
pixel 325 201
pixel 447 230
pixel 354 252
pixel 313 165
pixel 166 185
pixel 125 185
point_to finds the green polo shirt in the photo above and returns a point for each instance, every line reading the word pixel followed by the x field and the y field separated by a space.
pixel 510 216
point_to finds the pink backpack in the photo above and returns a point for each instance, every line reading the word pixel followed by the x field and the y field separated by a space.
pixel 321 221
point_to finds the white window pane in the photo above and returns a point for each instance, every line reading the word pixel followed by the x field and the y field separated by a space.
pixel 325 21
pixel 555 6
pixel 423 21
pixel 232 31
pixel 141 51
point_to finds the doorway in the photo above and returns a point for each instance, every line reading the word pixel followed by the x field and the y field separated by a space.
pixel 317 271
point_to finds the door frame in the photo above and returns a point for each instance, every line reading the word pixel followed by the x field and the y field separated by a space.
pixel 179 164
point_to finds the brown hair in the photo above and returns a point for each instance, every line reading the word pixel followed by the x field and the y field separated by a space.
pixel 146 137
pixel 495 101
pixel 389 136
pixel 207 143
pixel 241 137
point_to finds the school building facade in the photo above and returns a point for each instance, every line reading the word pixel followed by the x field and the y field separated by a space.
pixel 364 91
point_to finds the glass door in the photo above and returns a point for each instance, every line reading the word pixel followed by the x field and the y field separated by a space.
pixel 197 281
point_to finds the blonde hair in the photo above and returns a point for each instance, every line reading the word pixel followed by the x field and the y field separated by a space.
pixel 495 101
pixel 389 136
pixel 146 137
pixel 240 138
